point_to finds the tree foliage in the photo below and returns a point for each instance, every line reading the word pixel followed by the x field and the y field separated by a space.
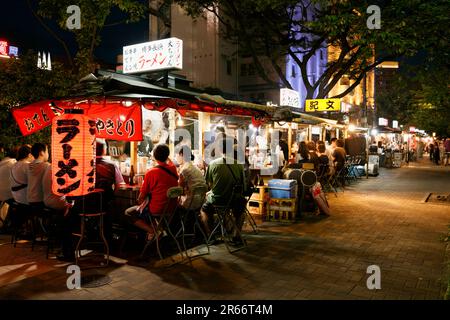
pixel 94 18
pixel 274 29
pixel 21 82
pixel 420 97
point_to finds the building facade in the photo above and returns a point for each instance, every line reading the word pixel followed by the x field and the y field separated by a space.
pixel 211 62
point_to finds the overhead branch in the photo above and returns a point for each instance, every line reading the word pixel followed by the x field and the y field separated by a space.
pixel 52 33
pixel 362 75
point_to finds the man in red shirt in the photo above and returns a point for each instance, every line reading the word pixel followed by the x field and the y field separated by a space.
pixel 157 181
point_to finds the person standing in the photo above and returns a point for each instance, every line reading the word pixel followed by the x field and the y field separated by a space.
pixel 436 153
pixel 283 146
pixel 431 150
pixel 19 175
pixel 447 151
pixel 146 146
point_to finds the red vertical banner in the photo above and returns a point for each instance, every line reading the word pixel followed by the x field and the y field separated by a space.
pixel 73 155
pixel 115 121
pixel 33 117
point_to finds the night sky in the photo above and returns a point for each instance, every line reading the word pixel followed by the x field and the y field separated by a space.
pixel 21 29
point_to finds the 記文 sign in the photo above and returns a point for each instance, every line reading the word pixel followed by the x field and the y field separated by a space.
pixel 317 105
pixel 153 56
pixel 289 98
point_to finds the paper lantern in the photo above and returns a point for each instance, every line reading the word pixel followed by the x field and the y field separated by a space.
pixel 258 121
pixel 73 154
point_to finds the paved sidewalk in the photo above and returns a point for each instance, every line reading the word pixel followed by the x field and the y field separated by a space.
pixel 380 221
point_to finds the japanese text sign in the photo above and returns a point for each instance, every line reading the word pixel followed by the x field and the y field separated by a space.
pixel 117 122
pixel 395 124
pixel 4 48
pixel 289 98
pixel 33 117
pixel 73 155
pixel 163 54
pixel 383 122
pixel 316 105
pixel 13 51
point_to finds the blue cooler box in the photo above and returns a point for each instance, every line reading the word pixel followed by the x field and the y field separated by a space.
pixel 282 189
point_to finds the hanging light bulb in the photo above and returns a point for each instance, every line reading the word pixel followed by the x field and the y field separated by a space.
pixel 180 121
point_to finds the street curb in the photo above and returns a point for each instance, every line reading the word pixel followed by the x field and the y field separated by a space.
pixel 447 273
pixel 425 199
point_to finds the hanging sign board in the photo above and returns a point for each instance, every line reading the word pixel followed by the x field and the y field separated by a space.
pixel 4 49
pixel 289 98
pixel 73 155
pixel 33 117
pixel 316 105
pixel 117 122
pixel 383 122
pixel 395 124
pixel 166 54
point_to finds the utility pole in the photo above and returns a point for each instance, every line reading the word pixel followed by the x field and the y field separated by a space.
pixel 365 124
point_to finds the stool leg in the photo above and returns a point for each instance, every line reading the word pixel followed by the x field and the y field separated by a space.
pixel 205 238
pixel 77 249
pixel 166 222
pixel 251 221
pixel 102 234
pixel 183 235
pixel 33 232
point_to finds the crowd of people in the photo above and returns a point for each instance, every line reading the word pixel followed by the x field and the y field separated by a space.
pixel 439 151
pixel 26 177
pixel 331 158
pixel 26 174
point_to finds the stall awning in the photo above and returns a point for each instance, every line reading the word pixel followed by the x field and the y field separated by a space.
pixel 385 129
pixel 112 89
pixel 300 117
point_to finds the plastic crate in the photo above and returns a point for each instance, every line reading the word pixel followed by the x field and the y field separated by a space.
pixel 282 210
pixel 282 189
pixel 257 207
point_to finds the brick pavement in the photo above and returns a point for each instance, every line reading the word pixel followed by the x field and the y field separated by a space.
pixel 379 221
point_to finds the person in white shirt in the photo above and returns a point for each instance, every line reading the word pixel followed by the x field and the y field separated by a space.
pixel 36 169
pixel 51 200
pixel 190 177
pixel 5 171
pixel 19 175
pixel 6 196
pixel 329 153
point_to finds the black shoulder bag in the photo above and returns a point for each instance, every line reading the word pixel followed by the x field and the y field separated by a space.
pixel 168 171
pixel 20 185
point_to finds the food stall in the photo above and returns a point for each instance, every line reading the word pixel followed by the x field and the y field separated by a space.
pixel 132 114
pixel 389 143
